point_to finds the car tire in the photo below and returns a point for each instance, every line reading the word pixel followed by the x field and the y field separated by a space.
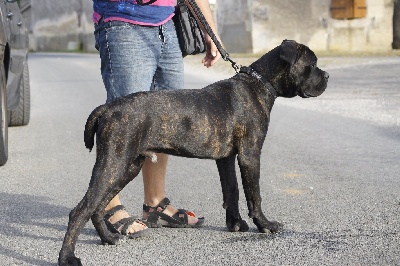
pixel 21 115
pixel 3 117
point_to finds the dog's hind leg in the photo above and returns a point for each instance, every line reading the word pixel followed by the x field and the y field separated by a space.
pixel 97 217
pixel 78 217
pixel 250 172
pixel 107 177
pixel 230 192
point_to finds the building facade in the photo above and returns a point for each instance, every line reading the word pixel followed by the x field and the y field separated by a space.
pixel 245 26
pixel 258 25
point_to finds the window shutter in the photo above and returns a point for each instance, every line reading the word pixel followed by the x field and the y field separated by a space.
pixel 360 9
pixel 348 9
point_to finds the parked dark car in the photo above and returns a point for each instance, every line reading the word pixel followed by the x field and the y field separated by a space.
pixel 14 73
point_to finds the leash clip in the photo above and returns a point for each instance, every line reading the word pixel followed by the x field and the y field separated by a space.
pixel 236 67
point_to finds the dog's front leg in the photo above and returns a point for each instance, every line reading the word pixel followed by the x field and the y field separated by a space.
pixel 250 173
pixel 230 192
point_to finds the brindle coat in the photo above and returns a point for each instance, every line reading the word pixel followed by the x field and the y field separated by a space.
pixel 223 121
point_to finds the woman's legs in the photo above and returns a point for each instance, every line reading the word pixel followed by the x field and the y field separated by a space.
pixel 136 58
pixel 154 180
pixel 128 65
pixel 169 75
pixel 154 185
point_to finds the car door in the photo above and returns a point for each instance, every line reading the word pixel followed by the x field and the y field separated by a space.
pixel 17 42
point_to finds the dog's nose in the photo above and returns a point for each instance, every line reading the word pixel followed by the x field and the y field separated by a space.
pixel 326 75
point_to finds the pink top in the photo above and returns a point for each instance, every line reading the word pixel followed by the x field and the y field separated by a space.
pixel 155 14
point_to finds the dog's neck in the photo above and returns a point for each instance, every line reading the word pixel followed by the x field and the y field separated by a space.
pixel 255 74
pixel 272 68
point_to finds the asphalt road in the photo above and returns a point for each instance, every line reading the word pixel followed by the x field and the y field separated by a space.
pixel 330 172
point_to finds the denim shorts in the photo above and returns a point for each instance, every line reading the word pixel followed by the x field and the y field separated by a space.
pixel 138 58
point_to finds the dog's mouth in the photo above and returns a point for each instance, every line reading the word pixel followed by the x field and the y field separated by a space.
pixel 304 95
pixel 310 94
pixel 314 94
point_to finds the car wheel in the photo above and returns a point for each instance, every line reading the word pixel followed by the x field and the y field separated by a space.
pixel 3 116
pixel 21 116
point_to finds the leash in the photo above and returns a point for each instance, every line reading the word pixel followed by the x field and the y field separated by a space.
pixel 225 55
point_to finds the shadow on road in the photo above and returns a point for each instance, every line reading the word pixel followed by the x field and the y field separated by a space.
pixel 25 216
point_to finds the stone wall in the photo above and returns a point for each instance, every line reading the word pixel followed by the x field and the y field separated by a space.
pixel 59 25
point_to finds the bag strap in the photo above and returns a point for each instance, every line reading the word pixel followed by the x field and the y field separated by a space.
pixel 212 35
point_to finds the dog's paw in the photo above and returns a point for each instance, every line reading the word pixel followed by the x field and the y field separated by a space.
pixel 270 227
pixel 113 239
pixel 237 226
pixel 69 261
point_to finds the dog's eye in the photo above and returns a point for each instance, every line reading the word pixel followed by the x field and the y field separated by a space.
pixel 313 65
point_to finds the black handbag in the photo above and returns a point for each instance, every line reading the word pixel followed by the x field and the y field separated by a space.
pixel 190 36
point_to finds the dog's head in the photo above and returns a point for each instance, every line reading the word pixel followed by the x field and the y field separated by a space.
pixel 303 73
pixel 292 70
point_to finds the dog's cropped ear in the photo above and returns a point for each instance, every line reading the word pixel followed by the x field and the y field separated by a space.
pixel 290 51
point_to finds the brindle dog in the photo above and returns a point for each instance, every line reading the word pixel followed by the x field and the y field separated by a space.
pixel 223 121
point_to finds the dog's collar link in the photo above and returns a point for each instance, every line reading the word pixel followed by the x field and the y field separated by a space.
pixel 255 74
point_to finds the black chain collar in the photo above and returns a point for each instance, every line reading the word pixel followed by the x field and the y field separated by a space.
pixel 255 74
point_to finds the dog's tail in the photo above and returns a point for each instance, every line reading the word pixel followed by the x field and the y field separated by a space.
pixel 91 126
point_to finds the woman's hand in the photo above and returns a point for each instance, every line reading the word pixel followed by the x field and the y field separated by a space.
pixel 212 53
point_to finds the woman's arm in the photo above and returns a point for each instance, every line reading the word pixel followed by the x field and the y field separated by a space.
pixel 212 54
